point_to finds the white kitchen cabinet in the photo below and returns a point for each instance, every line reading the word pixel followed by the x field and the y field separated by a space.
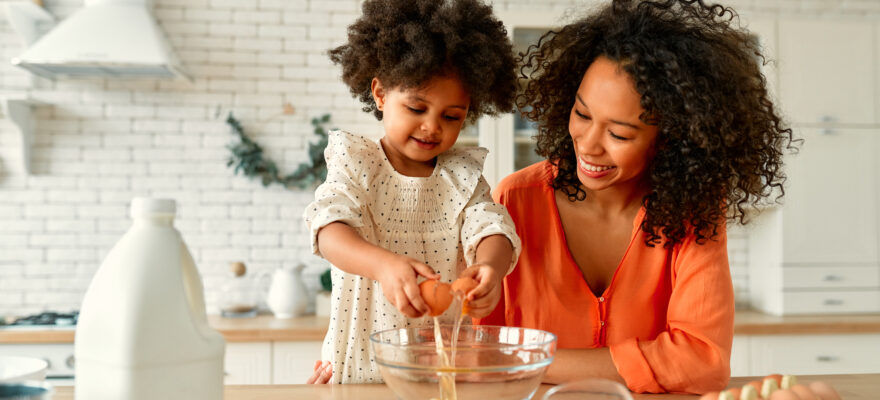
pixel 740 362
pixel 761 355
pixel 248 363
pixel 827 70
pixel 818 252
pixel 292 362
pixel 830 206
pixel 260 363
pixel 814 354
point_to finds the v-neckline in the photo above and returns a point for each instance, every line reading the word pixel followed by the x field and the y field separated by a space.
pixel 637 221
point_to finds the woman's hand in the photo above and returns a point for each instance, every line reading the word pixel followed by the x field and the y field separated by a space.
pixel 483 298
pixel 323 373
pixel 398 280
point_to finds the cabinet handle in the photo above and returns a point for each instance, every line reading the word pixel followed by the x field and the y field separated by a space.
pixel 833 302
pixel 48 362
pixel 832 278
pixel 827 358
pixel 70 361
pixel 827 119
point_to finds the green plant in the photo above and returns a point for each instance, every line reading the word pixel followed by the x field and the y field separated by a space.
pixel 247 157
pixel 326 282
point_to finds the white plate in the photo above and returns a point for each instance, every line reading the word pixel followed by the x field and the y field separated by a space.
pixel 17 369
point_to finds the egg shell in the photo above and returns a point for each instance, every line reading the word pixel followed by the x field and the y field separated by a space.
pixel 775 377
pixel 438 296
pixel 749 392
pixel 464 285
pixel 736 392
pixel 756 385
pixel 787 381
pixel 824 391
pixel 726 395
pixel 710 396
pixel 769 386
pixel 784 394
pixel 804 392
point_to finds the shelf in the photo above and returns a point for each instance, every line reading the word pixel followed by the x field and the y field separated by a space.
pixel 19 110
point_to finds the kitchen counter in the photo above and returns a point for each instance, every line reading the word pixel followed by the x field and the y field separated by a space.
pixel 850 387
pixel 262 328
pixel 266 328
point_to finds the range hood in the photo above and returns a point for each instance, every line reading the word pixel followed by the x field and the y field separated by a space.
pixel 106 38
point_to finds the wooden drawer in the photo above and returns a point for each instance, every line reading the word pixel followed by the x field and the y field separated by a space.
pixel 814 354
pixel 827 277
pixel 831 302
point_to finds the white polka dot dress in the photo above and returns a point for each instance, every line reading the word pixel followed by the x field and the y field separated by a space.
pixel 437 219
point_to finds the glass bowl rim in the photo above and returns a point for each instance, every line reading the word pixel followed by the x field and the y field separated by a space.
pixel 551 337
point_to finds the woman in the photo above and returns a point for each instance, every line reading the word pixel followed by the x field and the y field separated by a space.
pixel 657 128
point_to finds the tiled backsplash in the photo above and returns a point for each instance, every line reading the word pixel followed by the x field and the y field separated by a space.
pixel 98 143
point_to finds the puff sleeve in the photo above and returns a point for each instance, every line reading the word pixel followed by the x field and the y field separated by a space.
pixel 340 198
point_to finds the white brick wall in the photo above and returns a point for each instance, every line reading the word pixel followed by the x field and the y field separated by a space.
pixel 101 142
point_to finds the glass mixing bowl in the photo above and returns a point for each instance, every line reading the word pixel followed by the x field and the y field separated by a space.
pixel 490 362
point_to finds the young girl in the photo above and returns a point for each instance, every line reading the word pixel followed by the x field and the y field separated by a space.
pixel 411 205
pixel 657 128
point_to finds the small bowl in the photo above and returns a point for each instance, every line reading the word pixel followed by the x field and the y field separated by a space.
pixel 25 390
pixel 491 362
pixel 588 389
pixel 16 369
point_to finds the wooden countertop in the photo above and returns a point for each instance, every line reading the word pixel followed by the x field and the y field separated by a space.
pixel 265 328
pixel 850 387
pixel 262 328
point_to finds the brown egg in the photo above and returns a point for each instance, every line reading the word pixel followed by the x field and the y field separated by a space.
pixel 757 386
pixel 710 396
pixel 735 392
pixel 464 285
pixel 438 296
pixel 775 377
pixel 749 392
pixel 727 395
pixel 784 394
pixel 768 386
pixel 824 390
pixel 804 392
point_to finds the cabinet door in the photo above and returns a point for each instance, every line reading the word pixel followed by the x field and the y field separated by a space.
pixel 815 354
pixel 740 363
pixel 293 361
pixel 830 209
pixel 826 70
pixel 248 363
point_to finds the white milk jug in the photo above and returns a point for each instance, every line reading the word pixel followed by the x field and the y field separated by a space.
pixel 142 332
pixel 287 296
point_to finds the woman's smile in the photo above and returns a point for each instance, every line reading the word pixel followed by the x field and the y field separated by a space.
pixel 594 170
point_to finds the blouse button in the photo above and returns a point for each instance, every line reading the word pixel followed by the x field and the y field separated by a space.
pixel 601 299
pixel 601 323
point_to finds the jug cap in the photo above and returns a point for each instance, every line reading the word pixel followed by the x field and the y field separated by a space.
pixel 152 207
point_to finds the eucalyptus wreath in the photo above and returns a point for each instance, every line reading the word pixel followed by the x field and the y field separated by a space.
pixel 247 157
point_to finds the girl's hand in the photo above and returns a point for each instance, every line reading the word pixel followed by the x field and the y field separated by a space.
pixel 323 373
pixel 483 298
pixel 398 280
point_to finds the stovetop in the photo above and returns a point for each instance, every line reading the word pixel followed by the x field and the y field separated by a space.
pixel 44 320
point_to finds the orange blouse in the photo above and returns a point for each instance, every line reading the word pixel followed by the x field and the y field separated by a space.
pixel 666 316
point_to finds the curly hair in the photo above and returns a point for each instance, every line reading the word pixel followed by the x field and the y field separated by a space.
pixel 405 43
pixel 720 140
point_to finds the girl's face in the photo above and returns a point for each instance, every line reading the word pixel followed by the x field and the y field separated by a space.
pixel 420 123
pixel 612 145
